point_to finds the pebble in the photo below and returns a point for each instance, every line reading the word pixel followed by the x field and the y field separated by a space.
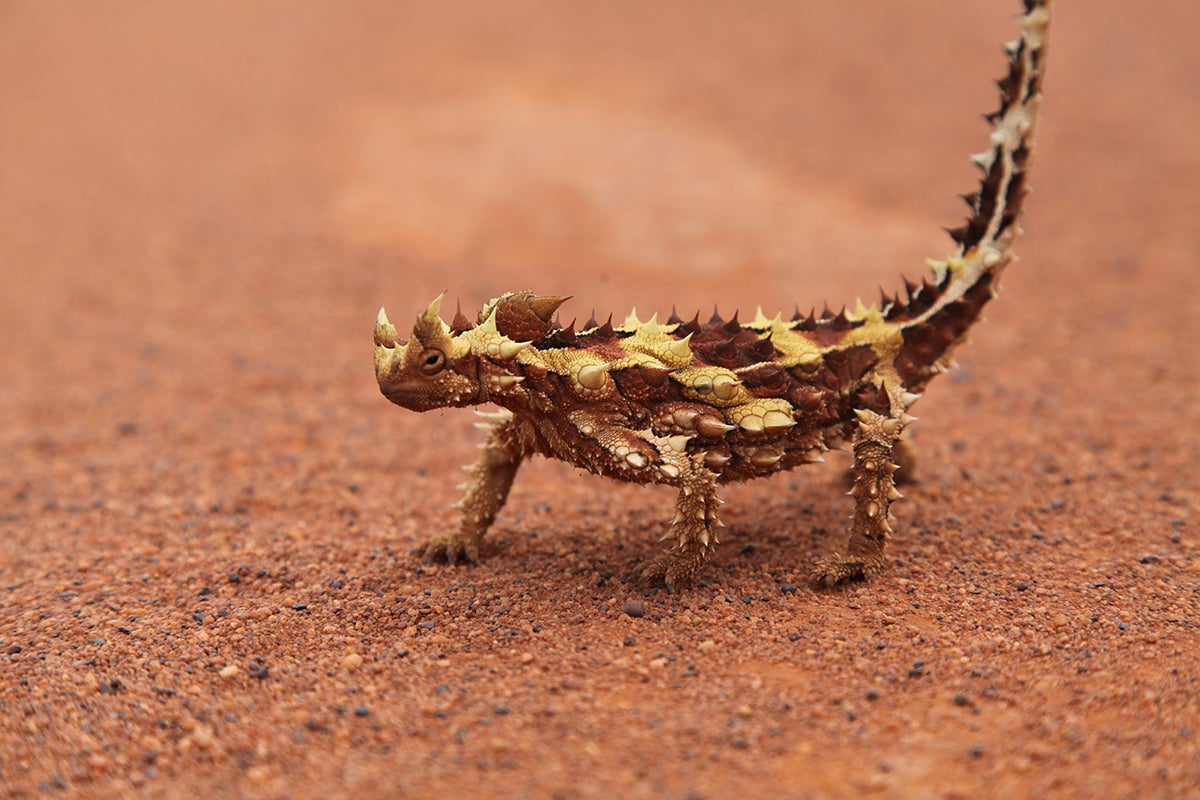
pixel 635 608
pixel 352 660
pixel 229 671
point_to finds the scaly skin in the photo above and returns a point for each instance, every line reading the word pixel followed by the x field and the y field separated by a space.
pixel 693 404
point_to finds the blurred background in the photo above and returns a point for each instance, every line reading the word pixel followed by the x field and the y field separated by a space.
pixel 214 198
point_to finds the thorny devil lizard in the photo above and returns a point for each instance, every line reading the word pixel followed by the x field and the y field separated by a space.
pixel 693 404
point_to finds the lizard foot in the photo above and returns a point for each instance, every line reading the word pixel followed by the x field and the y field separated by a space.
pixel 829 571
pixel 673 570
pixel 452 549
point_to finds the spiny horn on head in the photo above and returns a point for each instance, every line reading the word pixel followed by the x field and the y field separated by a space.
pixel 385 331
pixel 429 327
pixel 431 313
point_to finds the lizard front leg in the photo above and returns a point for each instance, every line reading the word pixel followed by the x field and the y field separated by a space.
pixel 642 457
pixel 486 490
pixel 694 527
pixel 873 491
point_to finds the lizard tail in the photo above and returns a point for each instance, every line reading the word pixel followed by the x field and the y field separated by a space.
pixel 936 314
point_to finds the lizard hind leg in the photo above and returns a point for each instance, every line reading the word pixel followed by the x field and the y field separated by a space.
pixel 873 490
pixel 694 527
pixel 486 489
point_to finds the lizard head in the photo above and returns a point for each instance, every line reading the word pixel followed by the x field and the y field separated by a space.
pixel 444 366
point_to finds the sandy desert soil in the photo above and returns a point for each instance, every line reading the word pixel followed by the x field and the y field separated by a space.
pixel 206 507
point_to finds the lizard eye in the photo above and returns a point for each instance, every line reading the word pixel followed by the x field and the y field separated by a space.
pixel 432 362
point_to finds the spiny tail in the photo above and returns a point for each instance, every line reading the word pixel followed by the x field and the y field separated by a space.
pixel 937 313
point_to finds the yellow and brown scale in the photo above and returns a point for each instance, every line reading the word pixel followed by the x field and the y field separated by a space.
pixel 694 404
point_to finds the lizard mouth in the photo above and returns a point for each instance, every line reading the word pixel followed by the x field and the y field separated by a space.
pixel 411 395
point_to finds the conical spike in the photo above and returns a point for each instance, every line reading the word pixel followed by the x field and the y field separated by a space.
pixel 544 306
pixel 431 313
pixel 460 322
pixel 385 331
pixel 489 324
pixel 509 349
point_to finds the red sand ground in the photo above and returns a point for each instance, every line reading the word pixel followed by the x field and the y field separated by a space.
pixel 207 506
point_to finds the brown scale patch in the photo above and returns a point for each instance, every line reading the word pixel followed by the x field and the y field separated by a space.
pixel 874 398
pixel 730 345
pixel 599 339
pixel 526 317
pixel 766 380
pixel 808 398
pixel 826 330
pixel 643 384
pixel 842 369
pixel 921 297
pixel 924 344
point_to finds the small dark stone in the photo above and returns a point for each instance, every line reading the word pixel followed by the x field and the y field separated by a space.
pixel 629 641
pixel 299 606
pixel 234 578
pixel 13 649
pixel 747 599
pixel 1123 626
pixel 428 624
pixel 401 653
pixel 747 548
pixel 1149 559
pixel 205 590
pixel 976 751
pixel 635 608
pixel 961 699
pixel 258 669
pixel 335 585
pixel 1022 586
pixel 500 710
pixel 124 629
pixel 361 711
pixel 873 694
pixel 789 588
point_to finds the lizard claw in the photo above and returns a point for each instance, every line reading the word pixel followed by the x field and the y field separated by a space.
pixel 672 570
pixel 449 550
pixel 829 571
